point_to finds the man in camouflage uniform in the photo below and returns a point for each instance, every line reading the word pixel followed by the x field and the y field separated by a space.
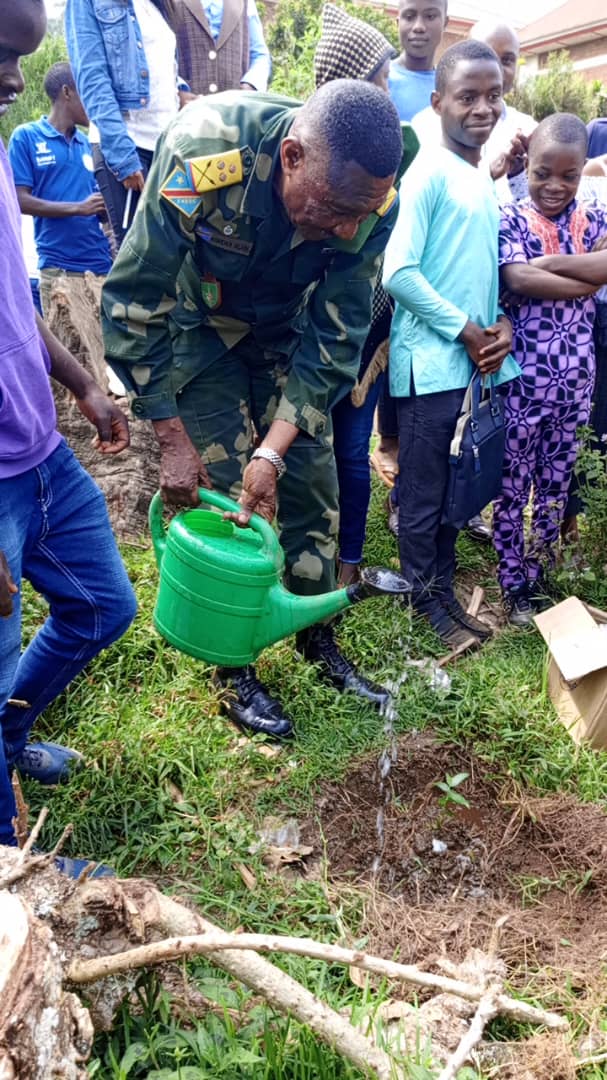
pixel 239 304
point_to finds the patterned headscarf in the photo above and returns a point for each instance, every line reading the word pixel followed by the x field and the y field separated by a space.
pixel 348 48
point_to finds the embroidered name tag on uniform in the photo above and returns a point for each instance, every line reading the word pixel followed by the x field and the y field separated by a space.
pixel 387 203
pixel 210 289
pixel 176 190
pixel 226 243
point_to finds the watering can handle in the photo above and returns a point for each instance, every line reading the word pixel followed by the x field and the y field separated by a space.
pixel 221 502
pixel 257 523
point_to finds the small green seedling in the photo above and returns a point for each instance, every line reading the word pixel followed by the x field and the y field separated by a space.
pixel 449 786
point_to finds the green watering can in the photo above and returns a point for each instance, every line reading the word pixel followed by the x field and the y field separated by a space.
pixel 220 596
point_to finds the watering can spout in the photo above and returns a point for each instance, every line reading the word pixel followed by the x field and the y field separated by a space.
pixel 287 613
pixel 378 581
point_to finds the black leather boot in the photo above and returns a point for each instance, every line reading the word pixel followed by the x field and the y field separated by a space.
pixel 318 645
pixel 249 704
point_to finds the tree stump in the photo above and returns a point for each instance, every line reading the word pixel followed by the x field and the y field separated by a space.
pixel 129 480
pixel 44 1030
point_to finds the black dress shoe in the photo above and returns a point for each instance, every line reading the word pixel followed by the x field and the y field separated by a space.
pixel 469 622
pixel 479 530
pixel 318 645
pixel 249 704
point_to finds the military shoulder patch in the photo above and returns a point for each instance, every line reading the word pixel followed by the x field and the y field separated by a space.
pixel 176 190
pixel 387 203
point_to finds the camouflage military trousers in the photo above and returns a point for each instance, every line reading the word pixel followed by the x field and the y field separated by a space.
pixel 223 409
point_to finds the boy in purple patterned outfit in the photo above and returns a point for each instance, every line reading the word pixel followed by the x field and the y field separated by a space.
pixel 551 265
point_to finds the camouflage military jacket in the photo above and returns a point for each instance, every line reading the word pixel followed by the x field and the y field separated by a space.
pixel 211 257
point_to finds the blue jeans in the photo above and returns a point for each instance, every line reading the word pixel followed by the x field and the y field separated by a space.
pixel 115 194
pixel 352 428
pixel 57 534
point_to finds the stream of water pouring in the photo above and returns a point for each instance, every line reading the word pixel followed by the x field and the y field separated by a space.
pixel 387 759
pixel 440 681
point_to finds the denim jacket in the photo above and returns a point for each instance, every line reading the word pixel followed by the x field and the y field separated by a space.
pixel 111 73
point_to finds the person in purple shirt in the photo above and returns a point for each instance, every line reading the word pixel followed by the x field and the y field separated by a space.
pixel 552 264
pixel 55 529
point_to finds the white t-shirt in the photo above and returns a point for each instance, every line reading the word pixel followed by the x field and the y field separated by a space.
pixel 427 127
pixel 145 126
pixel 30 252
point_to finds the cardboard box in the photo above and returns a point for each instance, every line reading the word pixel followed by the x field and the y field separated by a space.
pixel 577 677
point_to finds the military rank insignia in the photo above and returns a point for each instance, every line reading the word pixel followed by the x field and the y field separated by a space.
pixel 177 190
pixel 387 203
pixel 210 290
pixel 215 171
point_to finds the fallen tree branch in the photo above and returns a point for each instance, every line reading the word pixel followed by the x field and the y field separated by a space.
pixel 488 1008
pixel 86 971
pixel 20 822
pixel 281 991
pixel 596 1059
pixel 35 833
pixel 29 864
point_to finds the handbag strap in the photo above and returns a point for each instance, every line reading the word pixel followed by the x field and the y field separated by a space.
pixel 479 388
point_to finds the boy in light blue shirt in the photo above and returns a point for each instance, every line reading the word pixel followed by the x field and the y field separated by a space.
pixel 420 28
pixel 410 84
pixel 441 268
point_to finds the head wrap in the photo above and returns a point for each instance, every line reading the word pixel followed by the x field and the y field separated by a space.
pixel 348 48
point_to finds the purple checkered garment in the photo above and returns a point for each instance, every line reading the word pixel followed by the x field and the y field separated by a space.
pixel 552 338
pixel 551 399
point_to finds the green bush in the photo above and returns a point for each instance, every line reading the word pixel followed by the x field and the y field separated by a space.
pixel 558 89
pixel 293 37
pixel 33 102
pixel 583 569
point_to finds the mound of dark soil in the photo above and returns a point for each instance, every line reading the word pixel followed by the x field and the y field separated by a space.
pixel 443 873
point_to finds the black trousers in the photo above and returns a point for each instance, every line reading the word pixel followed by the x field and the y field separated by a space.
pixel 426 424
pixel 115 194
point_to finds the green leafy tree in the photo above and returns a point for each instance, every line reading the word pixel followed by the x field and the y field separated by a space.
pixel 293 36
pixel 33 102
pixel 558 89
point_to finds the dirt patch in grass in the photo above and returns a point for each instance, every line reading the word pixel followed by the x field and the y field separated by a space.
pixel 441 873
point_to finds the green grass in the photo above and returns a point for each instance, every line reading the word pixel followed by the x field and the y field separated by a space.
pixel 169 792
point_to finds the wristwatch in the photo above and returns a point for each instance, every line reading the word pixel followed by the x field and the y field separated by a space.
pixel 273 457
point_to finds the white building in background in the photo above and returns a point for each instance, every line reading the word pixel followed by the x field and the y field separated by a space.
pixel 463 14
pixel 580 27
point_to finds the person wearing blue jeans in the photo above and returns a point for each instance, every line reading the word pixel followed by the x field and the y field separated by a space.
pixel 55 531
pixel 352 428
pixel 352 49
pixel 56 534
